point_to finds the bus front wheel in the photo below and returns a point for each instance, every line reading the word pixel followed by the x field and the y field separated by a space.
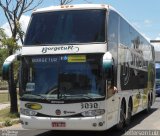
pixel 121 122
pixel 129 116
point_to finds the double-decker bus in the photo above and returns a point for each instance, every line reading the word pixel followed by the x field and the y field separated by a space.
pixel 83 67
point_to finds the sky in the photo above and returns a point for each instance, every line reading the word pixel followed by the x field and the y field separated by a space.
pixel 144 15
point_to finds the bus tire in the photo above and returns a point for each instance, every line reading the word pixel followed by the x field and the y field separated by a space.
pixel 149 103
pixel 121 122
pixel 129 113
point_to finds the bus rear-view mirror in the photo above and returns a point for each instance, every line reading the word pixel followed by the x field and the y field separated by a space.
pixel 7 64
pixel 107 65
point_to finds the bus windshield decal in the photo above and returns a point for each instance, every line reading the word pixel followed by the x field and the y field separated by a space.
pixel 45 60
pixel 60 48
pixel 77 58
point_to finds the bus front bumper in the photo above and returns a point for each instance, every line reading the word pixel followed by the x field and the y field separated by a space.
pixel 85 123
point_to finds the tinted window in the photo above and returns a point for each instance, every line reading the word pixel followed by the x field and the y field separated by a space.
pixel 124 33
pixel 113 29
pixel 113 39
pixel 62 27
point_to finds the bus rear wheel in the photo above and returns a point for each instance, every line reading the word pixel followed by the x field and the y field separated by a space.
pixel 148 110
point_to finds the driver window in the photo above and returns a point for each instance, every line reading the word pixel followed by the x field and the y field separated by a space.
pixel 111 88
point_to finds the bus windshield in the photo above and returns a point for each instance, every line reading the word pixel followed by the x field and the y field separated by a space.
pixel 65 77
pixel 66 27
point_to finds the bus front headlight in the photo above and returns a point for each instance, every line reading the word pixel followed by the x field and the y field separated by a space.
pixel 28 112
pixel 92 113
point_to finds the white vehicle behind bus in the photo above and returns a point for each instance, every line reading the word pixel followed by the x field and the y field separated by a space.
pixel 157 79
pixel 83 67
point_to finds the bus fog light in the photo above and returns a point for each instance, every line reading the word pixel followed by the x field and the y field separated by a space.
pixel 28 112
pixel 92 113
pixel 100 124
pixel 94 124
pixel 26 123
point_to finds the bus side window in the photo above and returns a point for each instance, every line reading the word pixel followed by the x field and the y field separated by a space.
pixel 113 27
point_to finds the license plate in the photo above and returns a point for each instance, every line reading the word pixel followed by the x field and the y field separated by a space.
pixel 58 124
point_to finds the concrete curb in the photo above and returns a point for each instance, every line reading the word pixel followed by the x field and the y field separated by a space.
pixel 12 121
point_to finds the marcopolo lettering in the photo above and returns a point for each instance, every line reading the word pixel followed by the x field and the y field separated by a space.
pixel 61 48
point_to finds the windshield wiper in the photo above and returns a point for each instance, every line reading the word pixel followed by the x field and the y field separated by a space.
pixel 27 96
pixel 83 96
pixel 64 97
pixel 43 97
pixel 87 96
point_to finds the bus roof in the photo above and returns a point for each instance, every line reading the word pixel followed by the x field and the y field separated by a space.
pixel 83 6
pixel 74 7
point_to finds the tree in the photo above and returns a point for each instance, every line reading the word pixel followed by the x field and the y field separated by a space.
pixel 65 2
pixel 87 1
pixel 4 39
pixel 3 50
pixel 13 10
pixel 7 44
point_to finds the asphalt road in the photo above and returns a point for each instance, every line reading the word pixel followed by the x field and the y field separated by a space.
pixel 141 121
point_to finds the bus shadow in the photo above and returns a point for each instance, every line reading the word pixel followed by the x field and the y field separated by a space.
pixel 136 119
pixel 141 116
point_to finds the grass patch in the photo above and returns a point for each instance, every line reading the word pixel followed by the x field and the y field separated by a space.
pixel 6 116
pixel 8 123
pixel 4 97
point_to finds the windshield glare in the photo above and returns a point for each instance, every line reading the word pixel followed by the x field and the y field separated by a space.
pixel 62 77
pixel 64 27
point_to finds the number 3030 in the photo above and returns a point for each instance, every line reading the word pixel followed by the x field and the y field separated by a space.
pixel 89 105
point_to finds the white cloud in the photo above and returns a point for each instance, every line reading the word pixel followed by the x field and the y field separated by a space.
pixel 23 21
pixel 158 37
pixel 147 21
pixel 7 29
